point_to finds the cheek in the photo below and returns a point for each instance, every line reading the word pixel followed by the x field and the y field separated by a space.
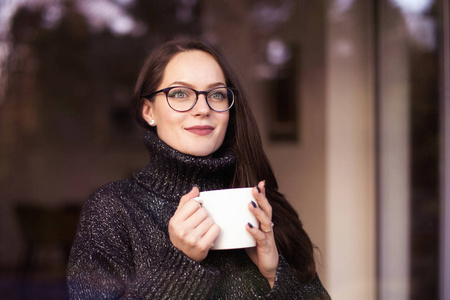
pixel 168 118
pixel 226 119
pixel 166 124
pixel 224 123
pixel 167 127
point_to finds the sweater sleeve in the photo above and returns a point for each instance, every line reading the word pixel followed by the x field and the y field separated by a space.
pixel 287 286
pixel 102 263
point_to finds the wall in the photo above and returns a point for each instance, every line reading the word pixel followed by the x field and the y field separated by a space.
pixel 300 167
pixel 350 152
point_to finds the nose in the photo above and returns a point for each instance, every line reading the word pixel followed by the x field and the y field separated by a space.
pixel 201 107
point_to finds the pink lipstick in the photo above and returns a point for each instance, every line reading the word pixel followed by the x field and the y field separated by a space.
pixel 200 130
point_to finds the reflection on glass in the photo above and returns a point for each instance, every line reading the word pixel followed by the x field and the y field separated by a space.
pixel 341 6
pixel 409 33
pixel 277 52
pixel 420 23
pixel 413 6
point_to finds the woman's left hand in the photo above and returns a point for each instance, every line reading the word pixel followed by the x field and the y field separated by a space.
pixel 265 254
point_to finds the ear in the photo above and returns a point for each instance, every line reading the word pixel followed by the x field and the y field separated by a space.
pixel 147 112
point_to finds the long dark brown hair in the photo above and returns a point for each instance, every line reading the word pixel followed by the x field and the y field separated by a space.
pixel 244 139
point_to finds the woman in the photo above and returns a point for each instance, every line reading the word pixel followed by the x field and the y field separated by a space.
pixel 146 238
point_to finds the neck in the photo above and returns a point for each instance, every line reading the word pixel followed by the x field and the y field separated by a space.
pixel 171 174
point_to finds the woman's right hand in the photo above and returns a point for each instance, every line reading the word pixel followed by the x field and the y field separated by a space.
pixel 191 230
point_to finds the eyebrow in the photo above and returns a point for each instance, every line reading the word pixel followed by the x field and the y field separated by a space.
pixel 212 85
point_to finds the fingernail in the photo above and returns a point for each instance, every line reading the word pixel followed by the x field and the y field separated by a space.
pixel 254 204
pixel 195 186
pixel 264 183
pixel 250 225
pixel 259 190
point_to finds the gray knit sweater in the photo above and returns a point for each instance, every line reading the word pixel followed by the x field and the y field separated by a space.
pixel 122 248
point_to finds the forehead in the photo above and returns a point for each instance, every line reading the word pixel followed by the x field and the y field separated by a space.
pixel 194 67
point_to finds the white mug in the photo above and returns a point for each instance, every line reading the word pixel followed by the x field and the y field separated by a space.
pixel 229 209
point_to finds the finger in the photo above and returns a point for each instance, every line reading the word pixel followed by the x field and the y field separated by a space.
pixel 197 217
pixel 263 218
pixel 204 226
pixel 187 211
pixel 259 236
pixel 267 228
pixel 263 211
pixel 194 192
pixel 210 236
pixel 259 193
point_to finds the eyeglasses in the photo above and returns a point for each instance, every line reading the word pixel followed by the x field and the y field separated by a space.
pixel 181 98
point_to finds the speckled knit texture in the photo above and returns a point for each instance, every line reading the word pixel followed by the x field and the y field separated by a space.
pixel 122 248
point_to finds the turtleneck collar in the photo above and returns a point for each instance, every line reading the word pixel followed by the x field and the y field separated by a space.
pixel 171 174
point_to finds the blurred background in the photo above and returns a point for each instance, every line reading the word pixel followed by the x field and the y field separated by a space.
pixel 352 99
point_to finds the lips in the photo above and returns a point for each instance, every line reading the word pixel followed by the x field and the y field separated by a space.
pixel 200 129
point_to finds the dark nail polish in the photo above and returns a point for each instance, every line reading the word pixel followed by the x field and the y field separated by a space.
pixel 264 183
pixel 250 225
pixel 254 204
pixel 259 190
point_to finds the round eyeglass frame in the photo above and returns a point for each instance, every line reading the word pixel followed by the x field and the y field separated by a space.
pixel 205 93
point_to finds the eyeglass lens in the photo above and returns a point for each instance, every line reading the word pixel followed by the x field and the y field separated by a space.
pixel 183 99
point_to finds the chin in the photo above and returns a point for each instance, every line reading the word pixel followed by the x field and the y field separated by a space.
pixel 201 152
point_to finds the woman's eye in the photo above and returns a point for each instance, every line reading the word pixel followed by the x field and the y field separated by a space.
pixel 178 94
pixel 217 96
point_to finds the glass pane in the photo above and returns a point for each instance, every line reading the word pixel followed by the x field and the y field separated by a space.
pixel 409 123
